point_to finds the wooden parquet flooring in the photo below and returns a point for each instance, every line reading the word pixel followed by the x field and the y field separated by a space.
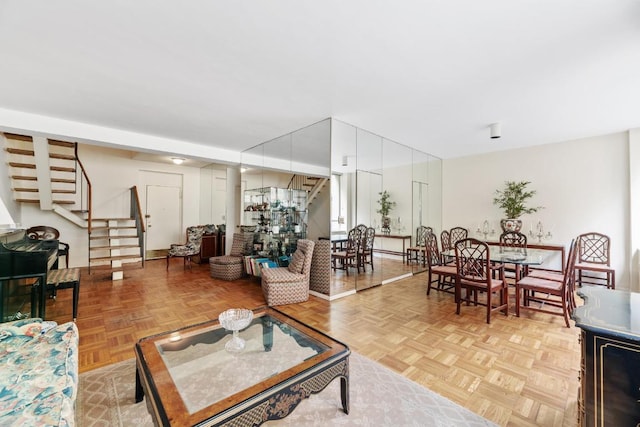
pixel 515 372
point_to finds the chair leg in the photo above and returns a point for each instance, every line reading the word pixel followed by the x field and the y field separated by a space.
pixel 168 256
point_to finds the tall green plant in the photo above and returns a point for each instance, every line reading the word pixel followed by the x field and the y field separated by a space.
pixel 385 204
pixel 513 197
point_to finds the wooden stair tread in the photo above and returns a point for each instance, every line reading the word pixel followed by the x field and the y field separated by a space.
pixel 28 200
pixel 17 137
pixel 61 143
pixel 61 156
pixel 66 181
pixel 26 190
pixel 19 151
pixel 102 248
pixel 115 258
pixel 64 202
pixel 112 219
pixel 64 191
pixel 120 227
pixel 62 169
pixel 135 236
pixel 22 165
pixel 24 177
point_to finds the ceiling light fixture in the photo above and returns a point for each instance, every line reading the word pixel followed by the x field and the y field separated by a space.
pixel 496 130
pixel 177 160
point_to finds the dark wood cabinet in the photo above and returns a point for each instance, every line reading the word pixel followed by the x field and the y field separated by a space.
pixel 610 368
pixel 209 247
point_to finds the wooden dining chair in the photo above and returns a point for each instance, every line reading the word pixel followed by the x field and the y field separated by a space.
pixel 550 296
pixel 345 259
pixel 446 273
pixel 594 255
pixel 417 252
pixel 475 274
pixel 457 233
pixel 365 254
pixel 514 243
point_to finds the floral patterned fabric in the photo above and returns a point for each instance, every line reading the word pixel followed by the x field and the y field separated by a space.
pixel 192 247
pixel 38 373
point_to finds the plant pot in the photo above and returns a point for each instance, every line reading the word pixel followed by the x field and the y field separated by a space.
pixel 514 225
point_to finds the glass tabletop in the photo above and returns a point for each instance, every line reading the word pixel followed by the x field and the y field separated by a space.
pixel 527 257
pixel 198 361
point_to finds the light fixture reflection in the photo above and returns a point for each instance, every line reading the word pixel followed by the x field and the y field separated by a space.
pixel 177 160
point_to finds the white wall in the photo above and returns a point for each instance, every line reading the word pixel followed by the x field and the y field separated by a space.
pixel 583 185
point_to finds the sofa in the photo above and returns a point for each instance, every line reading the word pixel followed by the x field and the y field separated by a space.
pixel 38 373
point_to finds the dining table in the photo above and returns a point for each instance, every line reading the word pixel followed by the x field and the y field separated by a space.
pixel 520 258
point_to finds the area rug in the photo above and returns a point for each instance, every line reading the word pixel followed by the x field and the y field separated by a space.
pixel 378 397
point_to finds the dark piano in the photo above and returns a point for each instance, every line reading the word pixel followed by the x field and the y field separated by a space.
pixel 24 264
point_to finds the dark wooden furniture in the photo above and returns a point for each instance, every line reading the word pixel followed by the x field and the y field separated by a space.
pixel 594 255
pixel 446 272
pixel 547 294
pixel 188 378
pixel 209 247
pixel 24 266
pixel 44 232
pixel 609 393
pixel 475 273
pixel 404 238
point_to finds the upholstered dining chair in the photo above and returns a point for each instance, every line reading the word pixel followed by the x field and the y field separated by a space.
pixel 594 255
pixel 475 273
pixel 347 258
pixel 546 293
pixel 189 249
pixel 437 267
pixel 289 285
pixel 44 232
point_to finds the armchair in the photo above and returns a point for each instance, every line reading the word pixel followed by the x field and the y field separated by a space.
pixel 189 249
pixel 231 267
pixel 289 285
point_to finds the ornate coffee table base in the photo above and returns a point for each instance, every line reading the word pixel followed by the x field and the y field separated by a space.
pixel 282 401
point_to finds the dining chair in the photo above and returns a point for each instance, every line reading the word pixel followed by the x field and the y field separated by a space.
pixel 558 276
pixel 549 293
pixel 345 259
pixel 475 273
pixel 417 251
pixel 594 252
pixel 446 272
pixel 515 243
pixel 365 254
pixel 457 233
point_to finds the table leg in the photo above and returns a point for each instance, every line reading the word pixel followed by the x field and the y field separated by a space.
pixel 344 393
pixel 139 390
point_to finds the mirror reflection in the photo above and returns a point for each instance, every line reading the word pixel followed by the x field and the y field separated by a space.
pixel 328 182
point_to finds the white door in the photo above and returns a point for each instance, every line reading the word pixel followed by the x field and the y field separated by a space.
pixel 163 217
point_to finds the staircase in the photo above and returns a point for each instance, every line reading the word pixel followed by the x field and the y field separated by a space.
pixel 48 172
pixel 311 184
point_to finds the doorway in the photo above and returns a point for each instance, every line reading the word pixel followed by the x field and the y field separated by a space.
pixel 163 217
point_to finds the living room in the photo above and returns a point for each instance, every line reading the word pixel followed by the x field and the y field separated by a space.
pixel 582 162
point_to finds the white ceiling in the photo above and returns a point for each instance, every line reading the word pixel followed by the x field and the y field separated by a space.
pixel 429 74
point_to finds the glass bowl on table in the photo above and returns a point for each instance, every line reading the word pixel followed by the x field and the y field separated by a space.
pixel 235 319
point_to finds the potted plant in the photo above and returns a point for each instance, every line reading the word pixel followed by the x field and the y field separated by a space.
pixel 512 200
pixel 385 208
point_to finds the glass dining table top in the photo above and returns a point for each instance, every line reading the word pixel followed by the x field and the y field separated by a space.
pixel 504 255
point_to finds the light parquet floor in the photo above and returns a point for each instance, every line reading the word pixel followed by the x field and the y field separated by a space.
pixel 515 372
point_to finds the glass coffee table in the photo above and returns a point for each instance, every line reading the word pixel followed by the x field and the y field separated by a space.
pixel 189 378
